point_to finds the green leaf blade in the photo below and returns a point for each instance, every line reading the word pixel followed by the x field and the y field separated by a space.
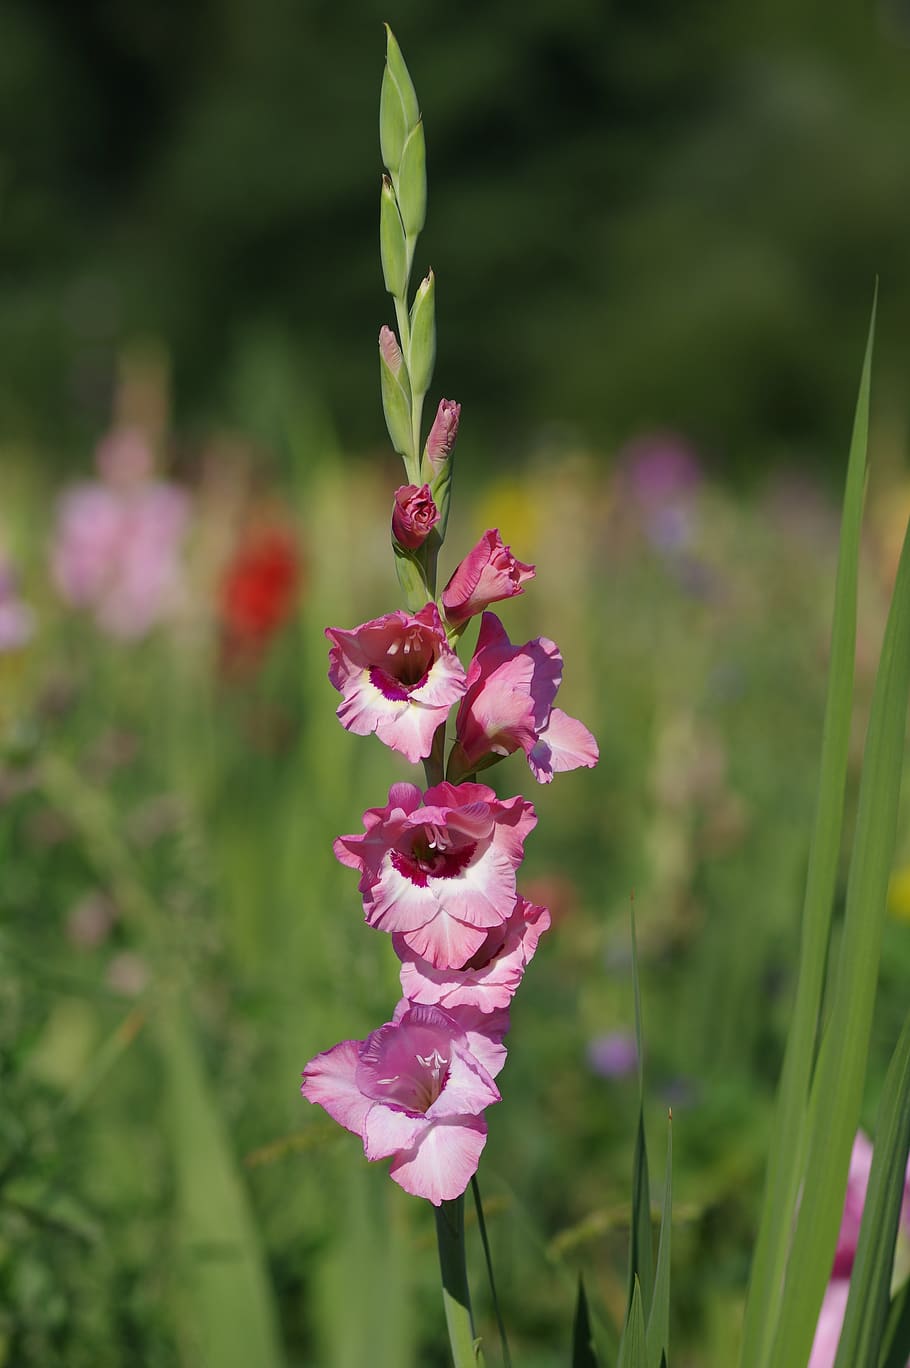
pixel 787 1149
pixel 658 1331
pixel 584 1354
pixel 838 1083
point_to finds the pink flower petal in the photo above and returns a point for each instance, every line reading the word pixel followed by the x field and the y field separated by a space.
pixel 388 1129
pixel 443 1161
pixel 330 1081
pixel 563 744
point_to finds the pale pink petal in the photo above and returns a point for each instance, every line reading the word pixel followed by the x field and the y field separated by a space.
pixel 388 1129
pixel 443 1161
pixel 563 744
pixel 395 903
pixel 830 1324
pixel 329 1080
pixel 445 941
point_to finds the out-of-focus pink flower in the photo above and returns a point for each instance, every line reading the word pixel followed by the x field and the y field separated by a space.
pixel 414 1091
pixel 509 706
pixel 17 621
pixel 442 434
pixel 117 551
pixel 414 515
pixel 439 868
pixel 487 574
pixel 125 457
pixel 614 1055
pixel 398 676
pixel 490 978
pixel 831 1316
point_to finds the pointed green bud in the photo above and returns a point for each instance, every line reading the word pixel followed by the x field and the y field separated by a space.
pixel 400 75
pixel 422 349
pixel 392 128
pixel 412 182
pixel 392 245
pixel 396 393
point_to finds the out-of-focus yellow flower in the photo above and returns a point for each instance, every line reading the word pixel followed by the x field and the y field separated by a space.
pixel 514 509
pixel 899 894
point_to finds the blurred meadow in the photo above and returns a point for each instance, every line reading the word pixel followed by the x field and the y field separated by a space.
pixel 655 231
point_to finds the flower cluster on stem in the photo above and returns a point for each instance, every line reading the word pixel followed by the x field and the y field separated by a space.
pixel 438 867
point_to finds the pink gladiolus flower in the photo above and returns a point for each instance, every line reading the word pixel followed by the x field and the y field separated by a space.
pixel 490 978
pixel 487 574
pixel 442 434
pixel 830 1324
pixel 439 868
pixel 117 551
pixel 398 676
pixel 413 1090
pixel 414 515
pixel 509 706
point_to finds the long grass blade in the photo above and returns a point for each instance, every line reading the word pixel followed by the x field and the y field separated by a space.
pixel 658 1335
pixel 896 1346
pixel 228 1312
pixel 870 1281
pixel 584 1355
pixel 837 1086
pixel 633 1352
pixel 641 1253
pixel 787 1148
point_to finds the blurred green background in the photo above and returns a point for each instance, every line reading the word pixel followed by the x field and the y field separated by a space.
pixel 640 214
pixel 655 230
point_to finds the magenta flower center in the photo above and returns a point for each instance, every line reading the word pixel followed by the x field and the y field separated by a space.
pixel 407 662
pixel 405 1067
pixel 436 852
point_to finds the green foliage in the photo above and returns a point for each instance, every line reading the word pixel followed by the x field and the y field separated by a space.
pixel 788 1142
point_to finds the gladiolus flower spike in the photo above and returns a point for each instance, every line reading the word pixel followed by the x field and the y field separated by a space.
pixel 438 864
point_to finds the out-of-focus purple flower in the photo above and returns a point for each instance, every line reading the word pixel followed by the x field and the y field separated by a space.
pixel 118 542
pixel 613 1055
pixel 90 920
pixel 17 621
pixel 661 474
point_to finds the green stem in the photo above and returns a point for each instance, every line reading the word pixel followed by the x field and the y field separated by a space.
pixel 478 1204
pixel 466 1351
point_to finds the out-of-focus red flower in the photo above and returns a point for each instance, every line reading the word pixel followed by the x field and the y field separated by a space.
pixel 258 591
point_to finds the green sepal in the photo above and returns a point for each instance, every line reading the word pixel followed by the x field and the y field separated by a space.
pixel 396 405
pixel 422 348
pixel 392 245
pixel 392 127
pixel 412 182
pixel 412 577
pixel 396 65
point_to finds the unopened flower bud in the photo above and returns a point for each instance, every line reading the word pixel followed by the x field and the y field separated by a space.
pixel 412 182
pixel 392 246
pixel 396 393
pixel 391 352
pixel 442 435
pixel 422 349
pixel 414 515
